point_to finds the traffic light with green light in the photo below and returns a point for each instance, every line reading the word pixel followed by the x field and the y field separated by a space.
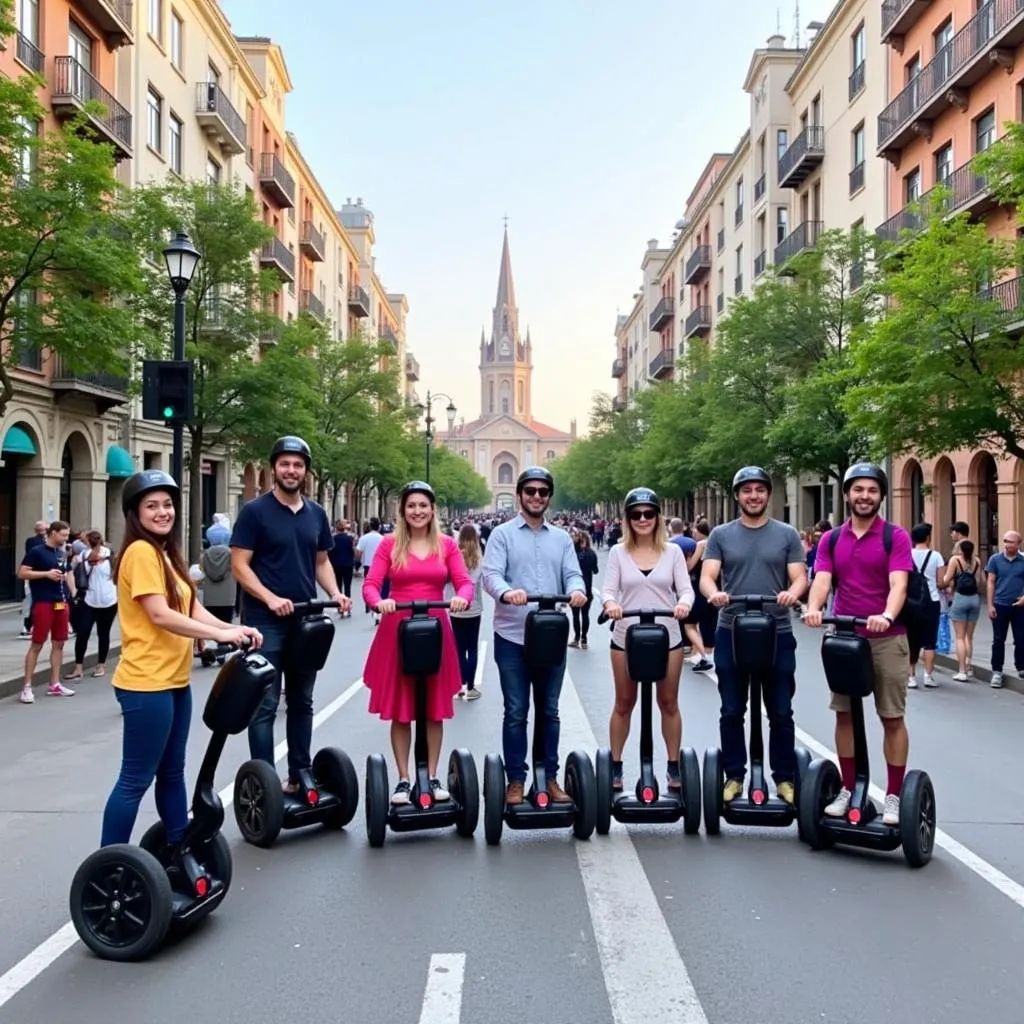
pixel 167 390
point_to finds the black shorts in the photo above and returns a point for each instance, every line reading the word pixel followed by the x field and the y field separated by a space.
pixel 924 635
pixel 674 647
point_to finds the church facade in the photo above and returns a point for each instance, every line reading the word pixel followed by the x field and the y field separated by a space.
pixel 505 438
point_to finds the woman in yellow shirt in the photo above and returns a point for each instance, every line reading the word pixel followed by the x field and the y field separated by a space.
pixel 160 617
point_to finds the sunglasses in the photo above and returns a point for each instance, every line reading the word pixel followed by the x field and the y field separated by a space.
pixel 637 514
pixel 536 492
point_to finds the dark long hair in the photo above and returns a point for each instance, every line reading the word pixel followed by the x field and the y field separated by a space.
pixel 174 563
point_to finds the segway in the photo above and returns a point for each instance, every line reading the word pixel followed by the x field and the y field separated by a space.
pixel 647 658
pixel 753 647
pixel 328 792
pixel 420 644
pixel 126 899
pixel 848 669
pixel 545 642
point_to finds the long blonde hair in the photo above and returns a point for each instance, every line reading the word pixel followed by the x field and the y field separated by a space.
pixel 629 537
pixel 469 545
pixel 403 538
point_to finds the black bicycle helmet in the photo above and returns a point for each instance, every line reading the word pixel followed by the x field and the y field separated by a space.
pixel 417 487
pixel 142 483
pixel 538 473
pixel 866 471
pixel 291 445
pixel 641 496
pixel 751 475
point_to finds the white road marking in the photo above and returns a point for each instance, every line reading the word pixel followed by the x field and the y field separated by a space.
pixel 29 967
pixel 644 974
pixel 442 998
pixel 481 654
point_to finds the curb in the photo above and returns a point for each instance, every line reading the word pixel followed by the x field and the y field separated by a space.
pixel 982 673
pixel 11 684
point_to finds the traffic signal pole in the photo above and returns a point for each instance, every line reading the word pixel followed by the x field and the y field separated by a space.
pixel 178 426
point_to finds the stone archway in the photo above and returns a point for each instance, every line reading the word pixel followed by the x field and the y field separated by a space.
pixel 912 486
pixel 248 482
pixel 78 469
pixel 983 475
pixel 944 507
pixel 504 468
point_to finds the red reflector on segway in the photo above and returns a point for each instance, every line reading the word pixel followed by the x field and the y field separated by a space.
pixel 757 796
pixel 647 795
pixel 542 799
pixel 854 816
pixel 202 886
pixel 425 800
pixel 312 797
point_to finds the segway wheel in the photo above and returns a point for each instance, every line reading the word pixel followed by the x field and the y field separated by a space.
pixel 689 777
pixel 803 762
pixel 581 785
pixel 819 787
pixel 378 800
pixel 333 769
pixel 259 803
pixel 121 903
pixel 603 780
pixel 494 798
pixel 714 783
pixel 917 818
pixel 465 787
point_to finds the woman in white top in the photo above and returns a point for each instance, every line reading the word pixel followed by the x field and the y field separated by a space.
pixel 98 604
pixel 645 571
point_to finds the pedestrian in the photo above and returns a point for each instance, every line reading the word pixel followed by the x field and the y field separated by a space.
pixel 38 537
pixel 1005 575
pixel 963 574
pixel 219 586
pixel 343 558
pixel 703 615
pixel 160 617
pixel 96 596
pixel 46 569
pixel 958 533
pixel 923 636
pixel 527 555
pixel 420 561
pixel 646 571
pixel 366 549
pixel 588 568
pixel 466 624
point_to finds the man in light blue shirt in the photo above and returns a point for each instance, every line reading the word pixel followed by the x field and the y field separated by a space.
pixel 528 556
pixel 1005 571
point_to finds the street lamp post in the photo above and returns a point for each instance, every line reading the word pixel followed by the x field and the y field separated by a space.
pixel 182 258
pixel 450 410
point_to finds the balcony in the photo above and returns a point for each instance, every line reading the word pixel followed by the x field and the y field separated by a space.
pixel 311 242
pixel 721 239
pixel 760 187
pixel 857 178
pixel 1010 298
pixel 698 264
pixel 212 317
pixel 805 153
pixel 29 55
pixel 113 18
pixel 275 255
pixel 388 338
pixel 73 87
pixel 803 238
pixel 898 16
pixel 618 368
pixel 219 119
pixel 105 389
pixel 760 264
pixel 699 321
pixel 662 364
pixel 856 80
pixel 311 304
pixel 358 301
pixel 412 367
pixel 276 180
pixel 618 404
pixel 988 39
pixel 663 313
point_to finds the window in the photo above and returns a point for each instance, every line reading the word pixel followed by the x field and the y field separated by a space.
pixel 739 259
pixel 857 48
pixel 174 130
pixel 781 224
pixel 912 186
pixel 782 141
pixel 177 32
pixel 28 20
pixel 911 75
pixel 212 171
pixel 857 140
pixel 26 355
pixel 80 48
pixel 943 62
pixel 816 110
pixel 154 120
pixel 29 155
pixel 944 163
pixel 505 473
pixel 739 192
pixel 155 24
pixel 985 130
pixel 212 75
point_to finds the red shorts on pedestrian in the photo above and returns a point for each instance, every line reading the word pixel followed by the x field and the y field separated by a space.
pixel 50 621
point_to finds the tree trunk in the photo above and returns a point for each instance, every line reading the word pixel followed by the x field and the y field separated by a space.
pixel 195 495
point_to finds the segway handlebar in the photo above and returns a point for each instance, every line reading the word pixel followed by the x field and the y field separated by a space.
pixel 847 622
pixel 223 649
pixel 639 613
pixel 749 599
pixel 556 598
pixel 312 607
pixel 419 606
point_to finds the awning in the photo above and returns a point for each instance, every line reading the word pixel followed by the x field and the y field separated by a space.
pixel 17 442
pixel 119 462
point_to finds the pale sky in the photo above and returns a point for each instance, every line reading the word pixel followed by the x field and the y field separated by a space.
pixel 585 121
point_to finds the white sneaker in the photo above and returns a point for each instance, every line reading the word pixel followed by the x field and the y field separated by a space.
pixel 929 682
pixel 911 682
pixel 59 690
pixel 997 681
pixel 960 677
pixel 440 794
pixel 27 696
pixel 891 810
pixel 841 804
pixel 473 694
pixel 25 634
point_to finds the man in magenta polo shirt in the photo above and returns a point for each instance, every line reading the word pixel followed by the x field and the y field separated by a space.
pixel 869 583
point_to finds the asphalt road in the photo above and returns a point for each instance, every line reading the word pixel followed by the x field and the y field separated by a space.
pixel 645 925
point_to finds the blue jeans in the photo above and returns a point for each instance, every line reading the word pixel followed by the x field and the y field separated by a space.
pixel 298 688
pixel 778 699
pixel 1008 618
pixel 515 688
pixel 156 728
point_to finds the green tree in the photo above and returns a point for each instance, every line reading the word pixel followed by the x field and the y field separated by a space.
pixel 457 485
pixel 65 247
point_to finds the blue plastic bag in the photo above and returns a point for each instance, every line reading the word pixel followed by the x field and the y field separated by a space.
pixel 945 644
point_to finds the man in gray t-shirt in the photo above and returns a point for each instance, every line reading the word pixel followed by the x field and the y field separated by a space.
pixel 755 554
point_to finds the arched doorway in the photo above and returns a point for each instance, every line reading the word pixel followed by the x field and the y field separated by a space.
pixel 913 478
pixel 987 476
pixel 75 497
pixel 20 499
pixel 505 473
pixel 943 503
pixel 249 482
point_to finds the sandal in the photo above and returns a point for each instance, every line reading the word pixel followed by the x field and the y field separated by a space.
pixel 73 675
pixel 98 672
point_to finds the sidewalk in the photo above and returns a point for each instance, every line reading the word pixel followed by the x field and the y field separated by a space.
pixel 12 653
pixel 982 656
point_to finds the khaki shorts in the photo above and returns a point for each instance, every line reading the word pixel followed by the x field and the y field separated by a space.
pixel 890 658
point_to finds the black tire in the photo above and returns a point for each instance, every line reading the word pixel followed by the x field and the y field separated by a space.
pixel 494 799
pixel 582 787
pixel 803 762
pixel 465 786
pixel 259 803
pixel 689 777
pixel 378 800
pixel 820 786
pixel 917 818
pixel 121 903
pixel 603 780
pixel 714 782
pixel 333 769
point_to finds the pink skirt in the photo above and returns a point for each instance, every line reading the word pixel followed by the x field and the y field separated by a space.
pixel 392 693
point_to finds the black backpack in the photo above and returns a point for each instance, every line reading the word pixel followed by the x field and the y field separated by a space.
pixel 918 605
pixel 967 581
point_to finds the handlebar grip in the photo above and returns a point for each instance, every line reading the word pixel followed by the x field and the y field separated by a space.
pixel 844 620
pixel 753 598
pixel 636 613
pixel 602 618
pixel 401 606
pixel 560 598
pixel 311 607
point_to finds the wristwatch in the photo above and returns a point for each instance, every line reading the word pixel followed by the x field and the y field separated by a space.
pixel 888 618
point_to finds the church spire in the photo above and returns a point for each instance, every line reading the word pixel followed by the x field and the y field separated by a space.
pixel 506 290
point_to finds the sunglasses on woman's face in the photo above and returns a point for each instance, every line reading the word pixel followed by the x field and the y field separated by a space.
pixel 636 514
pixel 536 492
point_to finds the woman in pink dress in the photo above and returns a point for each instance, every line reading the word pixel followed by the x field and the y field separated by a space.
pixel 419 561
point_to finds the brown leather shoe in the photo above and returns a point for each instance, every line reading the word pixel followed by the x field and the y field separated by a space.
pixel 514 794
pixel 557 794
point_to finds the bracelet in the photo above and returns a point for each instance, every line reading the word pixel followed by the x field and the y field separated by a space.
pixel 888 618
